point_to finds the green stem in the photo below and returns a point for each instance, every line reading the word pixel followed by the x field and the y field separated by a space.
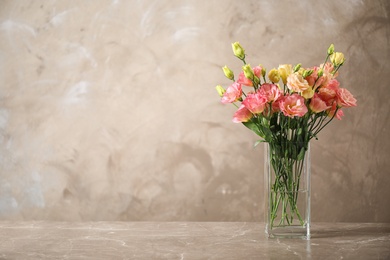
pixel 285 188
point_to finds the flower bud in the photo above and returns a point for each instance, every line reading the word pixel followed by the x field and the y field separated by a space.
pixel 273 75
pixel 301 71
pixel 337 58
pixel 297 67
pixel 228 73
pixel 238 51
pixel 248 71
pixel 307 73
pixel 331 49
pixel 263 72
pixel 220 90
pixel 320 73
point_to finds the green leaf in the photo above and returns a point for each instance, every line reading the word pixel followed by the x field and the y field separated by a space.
pixel 264 121
pixel 267 133
pixel 252 126
pixel 301 154
pixel 257 143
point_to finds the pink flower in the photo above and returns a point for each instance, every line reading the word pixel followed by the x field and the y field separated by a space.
pixel 247 82
pixel 313 79
pixel 257 71
pixel 333 84
pixel 276 105
pixel 255 103
pixel 270 91
pixel 328 67
pixel 345 98
pixel 232 94
pixel 243 80
pixel 242 115
pixel 327 94
pixel 332 110
pixel 293 105
pixel 318 105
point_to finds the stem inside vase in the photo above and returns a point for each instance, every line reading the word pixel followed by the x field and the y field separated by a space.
pixel 288 176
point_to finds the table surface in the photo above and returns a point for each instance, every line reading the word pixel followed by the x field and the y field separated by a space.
pixel 187 240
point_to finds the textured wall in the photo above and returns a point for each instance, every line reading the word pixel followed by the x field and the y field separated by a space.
pixel 108 109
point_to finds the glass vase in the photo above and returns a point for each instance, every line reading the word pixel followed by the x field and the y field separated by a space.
pixel 287 190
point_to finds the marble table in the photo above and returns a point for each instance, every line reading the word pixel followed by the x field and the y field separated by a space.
pixel 187 240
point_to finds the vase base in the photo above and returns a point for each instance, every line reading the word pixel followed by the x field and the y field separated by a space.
pixel 297 232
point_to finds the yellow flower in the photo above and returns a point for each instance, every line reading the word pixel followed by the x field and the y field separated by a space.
pixel 284 71
pixel 238 51
pixel 228 73
pixel 297 83
pixel 337 58
pixel 273 75
pixel 308 93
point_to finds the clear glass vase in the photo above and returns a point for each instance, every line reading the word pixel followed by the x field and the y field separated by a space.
pixel 287 190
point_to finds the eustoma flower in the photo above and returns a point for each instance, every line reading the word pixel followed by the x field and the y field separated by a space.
pixel 297 83
pixel 274 76
pixel 244 80
pixel 242 115
pixel 249 74
pixel 270 91
pixel 255 103
pixel 337 58
pixel 318 78
pixel 232 94
pixel 334 109
pixel 318 105
pixel 293 105
pixel 284 71
pixel 308 96
pixel 345 98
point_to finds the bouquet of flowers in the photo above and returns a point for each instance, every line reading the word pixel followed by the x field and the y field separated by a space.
pixel 286 108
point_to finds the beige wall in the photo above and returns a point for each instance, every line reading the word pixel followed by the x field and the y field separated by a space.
pixel 108 109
